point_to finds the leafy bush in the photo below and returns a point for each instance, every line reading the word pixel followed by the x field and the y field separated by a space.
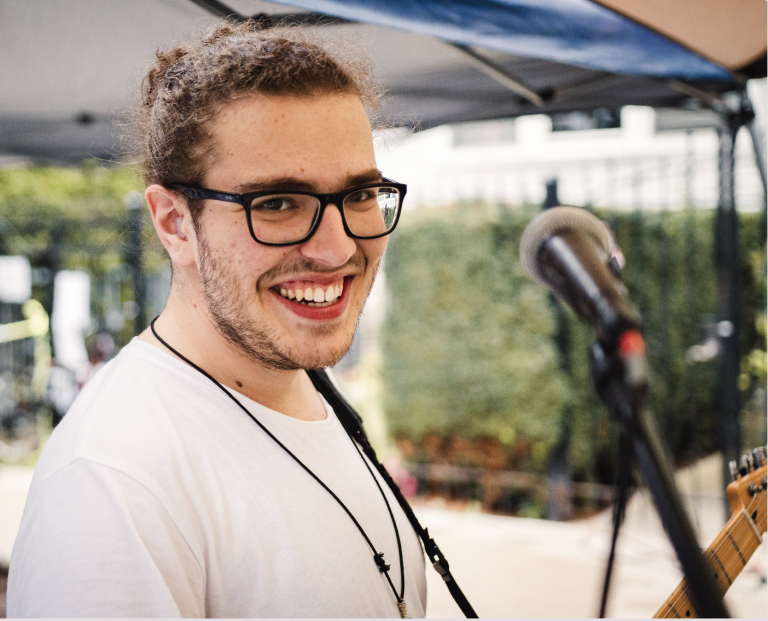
pixel 469 341
pixel 75 218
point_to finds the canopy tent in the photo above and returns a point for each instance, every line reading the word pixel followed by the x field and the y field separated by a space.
pixel 71 67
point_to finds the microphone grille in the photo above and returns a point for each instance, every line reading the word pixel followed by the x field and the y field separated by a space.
pixel 551 222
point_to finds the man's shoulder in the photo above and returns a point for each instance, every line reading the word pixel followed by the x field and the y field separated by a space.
pixel 126 415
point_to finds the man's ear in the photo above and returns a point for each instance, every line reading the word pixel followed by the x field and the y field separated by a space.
pixel 173 223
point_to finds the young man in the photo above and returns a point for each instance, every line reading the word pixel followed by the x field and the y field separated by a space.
pixel 200 473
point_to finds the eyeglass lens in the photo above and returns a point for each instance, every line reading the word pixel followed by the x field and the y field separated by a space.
pixel 283 218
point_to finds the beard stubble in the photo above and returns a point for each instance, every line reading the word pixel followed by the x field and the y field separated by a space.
pixel 228 307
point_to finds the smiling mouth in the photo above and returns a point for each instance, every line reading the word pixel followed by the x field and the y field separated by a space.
pixel 310 294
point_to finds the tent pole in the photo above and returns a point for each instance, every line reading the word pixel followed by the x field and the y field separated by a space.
pixel 498 73
pixel 559 484
pixel 219 9
pixel 708 99
pixel 726 262
pixel 223 11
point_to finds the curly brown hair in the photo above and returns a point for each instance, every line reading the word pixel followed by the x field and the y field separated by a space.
pixel 190 83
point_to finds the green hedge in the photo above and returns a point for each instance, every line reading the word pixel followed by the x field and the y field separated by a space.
pixel 468 340
pixel 75 218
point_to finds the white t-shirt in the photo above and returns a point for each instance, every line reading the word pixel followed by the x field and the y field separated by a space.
pixel 158 497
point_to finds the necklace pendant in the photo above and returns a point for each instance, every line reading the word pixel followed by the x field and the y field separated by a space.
pixel 403 609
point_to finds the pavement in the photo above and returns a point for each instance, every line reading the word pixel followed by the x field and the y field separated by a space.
pixel 519 567
pixel 523 568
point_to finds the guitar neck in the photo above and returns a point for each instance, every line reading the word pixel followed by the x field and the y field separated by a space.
pixel 726 557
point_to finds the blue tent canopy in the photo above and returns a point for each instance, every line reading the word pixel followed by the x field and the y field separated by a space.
pixel 572 32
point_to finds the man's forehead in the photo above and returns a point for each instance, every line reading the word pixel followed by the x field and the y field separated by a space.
pixel 267 141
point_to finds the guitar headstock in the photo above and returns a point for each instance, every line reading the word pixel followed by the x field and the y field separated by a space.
pixel 748 490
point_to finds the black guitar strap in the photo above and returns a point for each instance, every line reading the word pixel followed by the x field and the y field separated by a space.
pixel 353 425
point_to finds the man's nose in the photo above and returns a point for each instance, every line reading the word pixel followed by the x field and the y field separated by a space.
pixel 330 243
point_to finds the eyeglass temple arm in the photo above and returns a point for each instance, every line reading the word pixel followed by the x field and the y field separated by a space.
pixel 202 194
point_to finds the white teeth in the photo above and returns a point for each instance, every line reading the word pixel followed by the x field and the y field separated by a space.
pixel 316 296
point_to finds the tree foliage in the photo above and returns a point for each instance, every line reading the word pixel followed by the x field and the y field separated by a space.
pixel 78 212
pixel 467 347
pixel 469 341
pixel 75 218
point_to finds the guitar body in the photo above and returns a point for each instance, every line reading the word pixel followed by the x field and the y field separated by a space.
pixel 733 547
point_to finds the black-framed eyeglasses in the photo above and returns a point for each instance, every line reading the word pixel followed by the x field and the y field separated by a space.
pixel 284 218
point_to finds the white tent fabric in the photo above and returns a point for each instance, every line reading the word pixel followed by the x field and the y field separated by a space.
pixel 72 67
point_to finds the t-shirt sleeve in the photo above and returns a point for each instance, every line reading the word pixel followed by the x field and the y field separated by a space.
pixel 96 543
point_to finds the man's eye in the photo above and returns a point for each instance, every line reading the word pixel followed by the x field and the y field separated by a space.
pixel 361 196
pixel 272 204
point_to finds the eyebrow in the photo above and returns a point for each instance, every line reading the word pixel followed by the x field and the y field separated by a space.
pixel 292 183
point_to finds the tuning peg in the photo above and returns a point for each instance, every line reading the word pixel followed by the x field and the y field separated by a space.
pixel 746 464
pixel 758 456
pixel 734 468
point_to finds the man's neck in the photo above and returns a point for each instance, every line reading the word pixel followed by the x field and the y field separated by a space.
pixel 196 337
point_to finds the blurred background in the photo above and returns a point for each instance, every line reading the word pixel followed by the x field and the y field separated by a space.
pixel 473 383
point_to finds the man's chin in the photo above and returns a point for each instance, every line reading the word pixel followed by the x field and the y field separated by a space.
pixel 320 358
pixel 319 346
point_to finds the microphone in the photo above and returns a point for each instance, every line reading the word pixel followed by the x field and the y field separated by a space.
pixel 567 250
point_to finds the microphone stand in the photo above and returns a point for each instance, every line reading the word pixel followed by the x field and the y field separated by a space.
pixel 620 374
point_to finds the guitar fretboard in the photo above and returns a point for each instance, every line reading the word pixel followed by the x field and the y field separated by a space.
pixel 726 557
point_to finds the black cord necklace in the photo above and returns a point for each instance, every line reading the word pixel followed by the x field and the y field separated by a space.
pixel 378 557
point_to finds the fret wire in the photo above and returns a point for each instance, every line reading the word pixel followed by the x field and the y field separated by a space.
pixel 673 611
pixel 684 593
pixel 722 543
pixel 743 522
pixel 714 551
pixel 720 563
pixel 746 535
pixel 733 565
pixel 735 547
pixel 742 530
pixel 673 606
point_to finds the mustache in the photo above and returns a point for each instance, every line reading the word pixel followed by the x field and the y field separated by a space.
pixel 283 271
